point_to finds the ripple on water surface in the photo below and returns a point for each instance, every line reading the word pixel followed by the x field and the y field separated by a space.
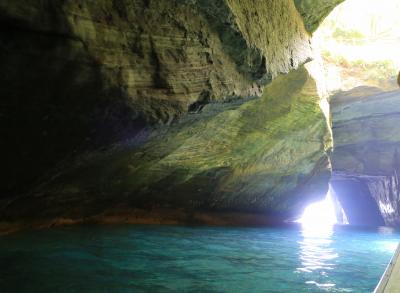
pixel 170 259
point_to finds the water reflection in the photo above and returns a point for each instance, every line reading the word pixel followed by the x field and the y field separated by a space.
pixel 317 255
pixel 386 230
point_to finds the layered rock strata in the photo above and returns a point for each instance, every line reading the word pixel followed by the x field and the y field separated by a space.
pixel 365 160
pixel 79 75
pixel 174 85
pixel 266 155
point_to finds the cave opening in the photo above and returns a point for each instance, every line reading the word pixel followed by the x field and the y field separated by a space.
pixel 323 215
pixel 178 137
pixel 358 44
pixel 320 214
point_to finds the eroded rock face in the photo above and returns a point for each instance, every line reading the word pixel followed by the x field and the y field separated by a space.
pixel 315 11
pixel 265 155
pixel 366 152
pixel 81 75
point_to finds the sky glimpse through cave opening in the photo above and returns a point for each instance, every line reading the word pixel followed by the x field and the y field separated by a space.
pixel 320 216
pixel 359 43
pixel 181 139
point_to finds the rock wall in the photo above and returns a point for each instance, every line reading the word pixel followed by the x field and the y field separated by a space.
pixel 366 153
pixel 315 11
pixel 173 83
pixel 265 155
pixel 79 75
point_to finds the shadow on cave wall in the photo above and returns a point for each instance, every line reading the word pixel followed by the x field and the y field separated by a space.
pixel 55 100
pixel 359 206
pixel 249 60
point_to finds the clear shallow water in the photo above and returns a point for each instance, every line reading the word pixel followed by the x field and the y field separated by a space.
pixel 171 259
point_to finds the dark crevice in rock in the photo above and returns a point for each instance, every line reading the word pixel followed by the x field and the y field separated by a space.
pixel 365 159
pixel 359 205
pixel 159 76
pixel 204 99
pixel 248 59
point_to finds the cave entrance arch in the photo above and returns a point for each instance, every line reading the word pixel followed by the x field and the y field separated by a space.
pixel 356 201
pixel 359 44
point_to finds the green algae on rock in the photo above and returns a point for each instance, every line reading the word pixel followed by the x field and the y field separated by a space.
pixel 315 11
pixel 101 71
pixel 267 154
pixel 181 87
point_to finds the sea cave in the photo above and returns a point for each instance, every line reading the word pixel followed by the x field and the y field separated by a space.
pixel 200 146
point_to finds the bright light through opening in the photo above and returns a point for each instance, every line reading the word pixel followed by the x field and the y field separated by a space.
pixel 359 43
pixel 320 215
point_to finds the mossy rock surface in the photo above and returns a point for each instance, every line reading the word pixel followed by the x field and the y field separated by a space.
pixel 266 155
pixel 315 11
pixel 182 87
pixel 80 75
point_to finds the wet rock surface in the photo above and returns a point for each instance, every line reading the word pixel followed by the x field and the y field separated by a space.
pixel 266 155
pixel 117 103
pixel 82 75
pixel 366 152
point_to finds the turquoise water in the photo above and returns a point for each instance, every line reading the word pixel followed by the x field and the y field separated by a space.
pixel 184 259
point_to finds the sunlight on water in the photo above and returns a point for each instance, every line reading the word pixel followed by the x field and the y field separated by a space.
pixel 316 253
pixel 195 259
pixel 319 253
